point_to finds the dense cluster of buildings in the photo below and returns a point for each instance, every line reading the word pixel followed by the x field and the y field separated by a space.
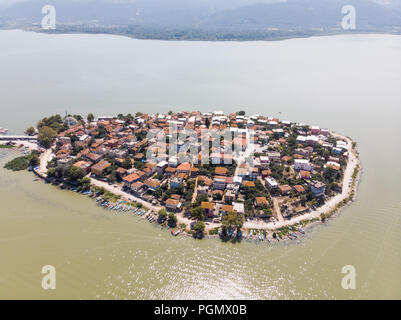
pixel 290 161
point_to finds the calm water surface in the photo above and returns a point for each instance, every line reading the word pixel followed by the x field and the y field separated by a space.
pixel 350 84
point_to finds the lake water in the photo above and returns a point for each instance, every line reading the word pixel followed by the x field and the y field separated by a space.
pixel 350 84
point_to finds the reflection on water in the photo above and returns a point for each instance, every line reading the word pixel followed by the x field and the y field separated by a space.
pixel 102 254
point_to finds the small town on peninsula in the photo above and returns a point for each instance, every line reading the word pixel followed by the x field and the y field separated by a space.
pixel 179 169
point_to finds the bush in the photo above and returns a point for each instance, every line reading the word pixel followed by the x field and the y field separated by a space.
pixel 172 220
pixel 199 229
pixel 17 164
pixel 46 136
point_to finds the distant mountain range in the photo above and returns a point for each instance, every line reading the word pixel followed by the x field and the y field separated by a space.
pixel 205 19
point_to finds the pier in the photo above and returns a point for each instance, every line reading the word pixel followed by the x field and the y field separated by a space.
pixel 18 138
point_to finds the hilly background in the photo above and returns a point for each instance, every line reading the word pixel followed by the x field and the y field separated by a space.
pixel 204 19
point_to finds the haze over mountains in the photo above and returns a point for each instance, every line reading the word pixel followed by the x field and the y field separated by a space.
pixel 205 19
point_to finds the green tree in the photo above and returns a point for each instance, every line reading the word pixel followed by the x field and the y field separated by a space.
pixel 197 213
pixel 55 122
pixel 200 198
pixel 90 117
pixel 162 213
pixel 46 136
pixel 30 131
pixel 33 160
pixel 51 172
pixel 199 229
pixel 77 173
pixel 172 220
pixel 85 182
pixel 127 163
pixel 233 220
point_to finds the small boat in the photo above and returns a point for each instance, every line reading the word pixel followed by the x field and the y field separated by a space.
pixel 176 233
pixel 301 230
pixel 268 238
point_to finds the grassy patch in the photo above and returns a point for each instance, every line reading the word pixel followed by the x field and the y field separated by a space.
pixel 214 231
pixel 6 146
pixel 17 164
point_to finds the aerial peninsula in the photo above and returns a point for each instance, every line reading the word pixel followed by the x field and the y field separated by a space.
pixel 200 174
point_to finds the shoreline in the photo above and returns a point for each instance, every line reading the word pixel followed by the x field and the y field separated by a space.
pixel 271 39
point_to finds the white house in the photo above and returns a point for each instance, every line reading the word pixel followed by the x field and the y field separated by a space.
pixel 302 164
pixel 238 207
pixel 271 183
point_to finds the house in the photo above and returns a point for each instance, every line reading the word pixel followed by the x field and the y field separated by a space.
pixel 121 172
pixel 266 173
pixel 219 183
pixel 299 189
pixel 312 140
pixel 99 168
pixel 94 157
pixel 324 132
pixel 176 182
pixel 184 168
pixel 173 162
pixel 242 172
pixel 261 202
pixel 202 189
pixel 233 187
pixel 301 139
pixel 229 196
pixel 208 208
pixel 169 171
pixel 302 164
pixel 161 166
pixel 238 207
pixel 249 184
pixel 137 187
pixel 84 165
pixel 226 209
pixel 315 130
pixel 130 179
pixel 237 180
pixel 271 183
pixel 253 174
pixel 303 152
pixel 173 205
pixel 274 156
pixel 284 189
pixel 220 171
pixel 194 172
pixel 304 174
pixel 63 140
pixel 279 131
pixel 318 188
pixel 264 162
pixel 333 165
pixel 152 184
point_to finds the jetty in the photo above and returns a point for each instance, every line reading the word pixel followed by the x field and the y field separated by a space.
pixel 18 138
